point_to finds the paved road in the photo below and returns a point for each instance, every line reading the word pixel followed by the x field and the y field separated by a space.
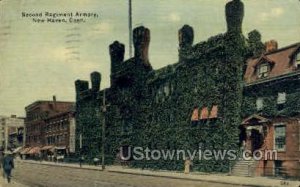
pixel 35 175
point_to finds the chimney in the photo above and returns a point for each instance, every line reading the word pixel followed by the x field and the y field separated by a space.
pixel 54 102
pixel 271 46
pixel 116 51
pixel 141 41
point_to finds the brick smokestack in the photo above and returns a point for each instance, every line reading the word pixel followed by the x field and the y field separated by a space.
pixel 96 80
pixel 186 36
pixel 271 45
pixel 234 16
pixel 116 51
pixel 141 41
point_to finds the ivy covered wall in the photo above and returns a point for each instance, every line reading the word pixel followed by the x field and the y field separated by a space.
pixel 268 93
pixel 152 108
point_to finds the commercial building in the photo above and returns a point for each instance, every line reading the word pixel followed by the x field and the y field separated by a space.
pixel 37 121
pixel 9 125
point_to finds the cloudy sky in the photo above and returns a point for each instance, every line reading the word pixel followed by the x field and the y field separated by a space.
pixel 41 60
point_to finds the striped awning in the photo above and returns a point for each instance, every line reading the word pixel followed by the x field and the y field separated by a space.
pixel 25 150
pixel 34 150
pixel 47 147
pixel 18 149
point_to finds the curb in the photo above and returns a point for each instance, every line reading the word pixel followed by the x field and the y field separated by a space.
pixel 146 174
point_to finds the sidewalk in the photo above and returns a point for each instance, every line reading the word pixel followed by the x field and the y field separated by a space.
pixel 215 178
pixel 3 183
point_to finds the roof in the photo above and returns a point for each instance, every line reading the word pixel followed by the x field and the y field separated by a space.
pixel 280 60
pixel 45 101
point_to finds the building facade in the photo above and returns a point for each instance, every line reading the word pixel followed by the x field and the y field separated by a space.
pixel 9 126
pixel 16 137
pixel 60 132
pixel 197 103
pixel 37 121
pixel 272 99
pixel 153 108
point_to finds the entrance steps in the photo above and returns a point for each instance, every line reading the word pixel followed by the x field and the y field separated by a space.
pixel 244 168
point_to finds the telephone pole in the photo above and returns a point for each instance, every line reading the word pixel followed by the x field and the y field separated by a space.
pixel 130 27
pixel 103 130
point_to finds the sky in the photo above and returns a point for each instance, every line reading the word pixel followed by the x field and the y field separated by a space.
pixel 39 60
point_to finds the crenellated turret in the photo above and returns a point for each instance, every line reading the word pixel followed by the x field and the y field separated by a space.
pixel 234 16
pixel 81 86
pixel 186 36
pixel 141 40
pixel 116 51
pixel 96 81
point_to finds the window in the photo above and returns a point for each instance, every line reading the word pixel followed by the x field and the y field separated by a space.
pixel 278 168
pixel 281 99
pixel 280 137
pixel 298 60
pixel 259 103
pixel 263 70
pixel 166 89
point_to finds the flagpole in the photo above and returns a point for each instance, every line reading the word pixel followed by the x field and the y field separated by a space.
pixel 130 27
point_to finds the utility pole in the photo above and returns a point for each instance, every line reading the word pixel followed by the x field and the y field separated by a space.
pixel 130 27
pixel 103 130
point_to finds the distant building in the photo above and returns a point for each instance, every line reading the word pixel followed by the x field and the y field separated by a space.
pixel 37 121
pixel 16 137
pixel 10 125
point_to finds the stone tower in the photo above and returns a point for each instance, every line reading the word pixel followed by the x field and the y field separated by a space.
pixel 141 41
pixel 234 16
pixel 186 36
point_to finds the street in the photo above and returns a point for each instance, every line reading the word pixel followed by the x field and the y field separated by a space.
pixel 35 175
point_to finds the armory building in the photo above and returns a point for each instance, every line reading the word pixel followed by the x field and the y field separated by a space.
pixel 199 100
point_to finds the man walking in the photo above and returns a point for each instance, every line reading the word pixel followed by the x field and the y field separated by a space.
pixel 8 165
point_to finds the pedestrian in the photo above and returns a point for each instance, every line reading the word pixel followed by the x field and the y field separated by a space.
pixel 8 165
pixel 81 159
pixel 1 161
pixel 96 161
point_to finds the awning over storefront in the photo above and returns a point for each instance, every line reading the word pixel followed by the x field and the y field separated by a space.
pixel 18 149
pixel 34 150
pixel 25 150
pixel 60 147
pixel 47 147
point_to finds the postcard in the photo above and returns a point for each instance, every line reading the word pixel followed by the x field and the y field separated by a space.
pixel 149 93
